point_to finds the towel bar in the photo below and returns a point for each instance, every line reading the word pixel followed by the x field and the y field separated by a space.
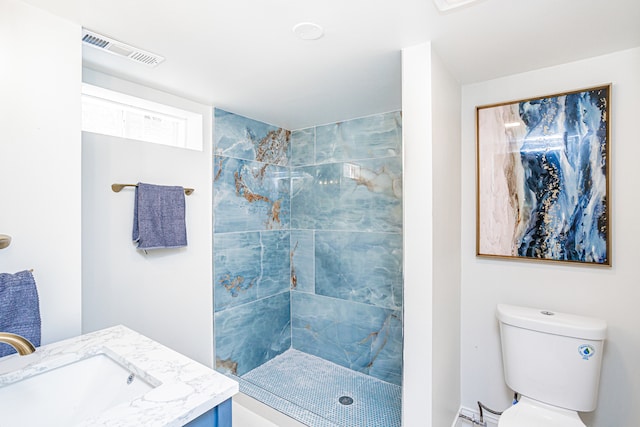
pixel 118 187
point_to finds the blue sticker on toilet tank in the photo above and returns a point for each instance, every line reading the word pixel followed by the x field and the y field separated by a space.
pixel 586 351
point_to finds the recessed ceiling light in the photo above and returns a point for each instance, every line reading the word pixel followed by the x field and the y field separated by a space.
pixel 450 4
pixel 308 31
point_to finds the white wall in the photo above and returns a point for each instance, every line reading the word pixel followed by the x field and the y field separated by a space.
pixel 40 63
pixel 418 235
pixel 165 294
pixel 608 293
pixel 446 99
pixel 431 123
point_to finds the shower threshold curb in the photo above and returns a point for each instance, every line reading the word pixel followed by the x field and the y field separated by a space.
pixel 282 405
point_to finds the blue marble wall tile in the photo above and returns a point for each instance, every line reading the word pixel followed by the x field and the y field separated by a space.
pixel 358 336
pixel 249 196
pixel 244 138
pixel 303 147
pixel 365 138
pixel 236 268
pixel 304 228
pixel 275 263
pixel 364 196
pixel 249 266
pixel 302 261
pixel 387 347
pixel 251 334
pixel 362 267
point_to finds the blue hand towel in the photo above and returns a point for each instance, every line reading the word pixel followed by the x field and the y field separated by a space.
pixel 19 308
pixel 159 217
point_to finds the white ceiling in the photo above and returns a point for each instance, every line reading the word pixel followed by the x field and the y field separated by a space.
pixel 241 55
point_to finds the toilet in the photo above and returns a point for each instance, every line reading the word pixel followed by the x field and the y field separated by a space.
pixel 552 360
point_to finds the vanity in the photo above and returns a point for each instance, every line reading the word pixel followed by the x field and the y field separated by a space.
pixel 114 377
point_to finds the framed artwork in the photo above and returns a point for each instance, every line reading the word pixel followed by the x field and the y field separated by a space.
pixel 543 178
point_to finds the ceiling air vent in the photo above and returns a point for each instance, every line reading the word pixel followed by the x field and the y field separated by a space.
pixel 121 49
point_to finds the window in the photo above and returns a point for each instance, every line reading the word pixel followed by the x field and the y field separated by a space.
pixel 113 113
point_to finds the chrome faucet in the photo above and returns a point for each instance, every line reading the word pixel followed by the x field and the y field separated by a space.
pixel 20 343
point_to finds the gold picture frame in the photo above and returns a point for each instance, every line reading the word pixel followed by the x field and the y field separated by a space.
pixel 542 178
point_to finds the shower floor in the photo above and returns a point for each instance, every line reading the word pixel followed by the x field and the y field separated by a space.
pixel 308 389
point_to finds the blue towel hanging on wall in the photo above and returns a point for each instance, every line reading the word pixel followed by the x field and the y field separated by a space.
pixel 159 217
pixel 19 308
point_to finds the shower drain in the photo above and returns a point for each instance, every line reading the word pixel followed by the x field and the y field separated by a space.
pixel 345 400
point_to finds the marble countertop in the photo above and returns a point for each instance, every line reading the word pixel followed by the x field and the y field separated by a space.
pixel 184 389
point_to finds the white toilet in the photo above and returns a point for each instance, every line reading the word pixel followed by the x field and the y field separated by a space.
pixel 552 360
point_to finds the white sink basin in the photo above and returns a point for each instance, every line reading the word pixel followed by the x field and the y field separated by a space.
pixel 67 395
pixel 85 381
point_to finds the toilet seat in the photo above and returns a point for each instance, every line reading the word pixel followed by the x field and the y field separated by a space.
pixel 531 413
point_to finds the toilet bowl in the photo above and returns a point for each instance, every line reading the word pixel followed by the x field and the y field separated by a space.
pixel 530 413
pixel 553 361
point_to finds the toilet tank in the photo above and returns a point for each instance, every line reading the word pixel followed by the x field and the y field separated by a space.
pixel 552 357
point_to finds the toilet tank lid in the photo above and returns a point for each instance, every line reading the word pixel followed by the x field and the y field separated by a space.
pixel 552 322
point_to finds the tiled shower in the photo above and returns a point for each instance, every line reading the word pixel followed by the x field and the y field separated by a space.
pixel 308 264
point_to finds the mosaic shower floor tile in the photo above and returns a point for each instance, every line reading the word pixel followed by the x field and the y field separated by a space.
pixel 322 394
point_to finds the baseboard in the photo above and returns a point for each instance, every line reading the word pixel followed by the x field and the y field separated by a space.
pixel 490 419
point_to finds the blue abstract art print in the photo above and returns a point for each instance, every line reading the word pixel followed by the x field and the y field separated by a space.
pixel 543 178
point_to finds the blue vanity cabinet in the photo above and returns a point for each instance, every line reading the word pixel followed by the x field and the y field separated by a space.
pixel 220 416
